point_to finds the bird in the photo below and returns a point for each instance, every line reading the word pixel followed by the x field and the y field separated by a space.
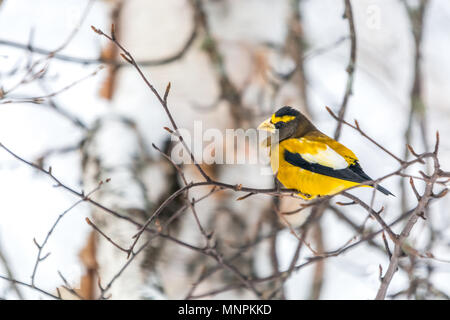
pixel 307 160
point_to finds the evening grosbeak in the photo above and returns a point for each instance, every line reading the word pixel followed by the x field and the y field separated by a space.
pixel 309 161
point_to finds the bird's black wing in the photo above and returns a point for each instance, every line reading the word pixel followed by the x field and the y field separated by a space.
pixel 345 174
pixel 352 173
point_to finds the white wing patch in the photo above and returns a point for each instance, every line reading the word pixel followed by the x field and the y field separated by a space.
pixel 328 158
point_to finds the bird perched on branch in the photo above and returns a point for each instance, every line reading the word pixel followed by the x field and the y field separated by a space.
pixel 305 159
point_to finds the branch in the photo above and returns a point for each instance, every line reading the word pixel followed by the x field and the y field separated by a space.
pixel 418 212
pixel 88 61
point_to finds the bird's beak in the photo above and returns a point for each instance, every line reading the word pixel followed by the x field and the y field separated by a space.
pixel 267 126
pixel 270 128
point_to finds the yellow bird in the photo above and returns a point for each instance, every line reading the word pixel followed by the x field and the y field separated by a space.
pixel 309 161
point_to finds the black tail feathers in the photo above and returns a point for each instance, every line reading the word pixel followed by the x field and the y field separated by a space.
pixel 385 191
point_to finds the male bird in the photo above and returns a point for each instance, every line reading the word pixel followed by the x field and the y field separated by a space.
pixel 309 161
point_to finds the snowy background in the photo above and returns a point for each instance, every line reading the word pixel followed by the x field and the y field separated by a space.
pixel 29 204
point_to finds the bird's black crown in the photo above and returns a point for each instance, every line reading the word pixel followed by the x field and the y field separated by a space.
pixel 286 111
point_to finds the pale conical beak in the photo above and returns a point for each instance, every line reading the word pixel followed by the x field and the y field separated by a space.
pixel 267 126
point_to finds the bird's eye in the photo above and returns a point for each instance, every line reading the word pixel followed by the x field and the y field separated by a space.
pixel 280 124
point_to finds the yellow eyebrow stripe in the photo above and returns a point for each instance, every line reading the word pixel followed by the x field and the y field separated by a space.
pixel 283 118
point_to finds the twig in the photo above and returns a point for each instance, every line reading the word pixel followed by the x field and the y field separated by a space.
pixel 40 247
pixel 30 286
pixel 89 222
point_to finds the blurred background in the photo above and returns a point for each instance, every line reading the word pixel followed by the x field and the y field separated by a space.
pixel 231 63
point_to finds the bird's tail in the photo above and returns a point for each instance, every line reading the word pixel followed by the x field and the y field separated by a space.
pixel 385 191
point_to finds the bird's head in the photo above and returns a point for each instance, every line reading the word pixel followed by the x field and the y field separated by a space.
pixel 289 122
